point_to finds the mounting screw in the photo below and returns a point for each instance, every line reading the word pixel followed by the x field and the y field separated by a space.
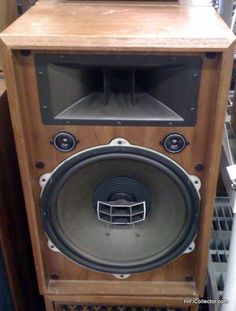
pixel 40 164
pixel 188 278
pixel 211 55
pixel 25 52
pixel 199 167
pixel 54 276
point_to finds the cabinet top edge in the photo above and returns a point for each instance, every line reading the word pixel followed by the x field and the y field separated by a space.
pixel 118 26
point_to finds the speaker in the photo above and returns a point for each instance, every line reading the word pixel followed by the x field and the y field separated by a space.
pixel 120 208
pixel 118 124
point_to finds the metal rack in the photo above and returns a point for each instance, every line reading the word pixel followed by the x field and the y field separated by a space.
pixel 222 255
pixel 219 250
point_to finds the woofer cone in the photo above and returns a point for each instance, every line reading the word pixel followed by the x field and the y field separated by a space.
pixel 71 222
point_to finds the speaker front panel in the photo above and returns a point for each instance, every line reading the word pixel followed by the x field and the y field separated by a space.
pixel 178 276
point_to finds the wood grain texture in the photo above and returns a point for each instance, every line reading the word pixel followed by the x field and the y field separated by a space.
pixel 8 13
pixel 22 153
pixel 148 288
pixel 49 304
pixel 117 26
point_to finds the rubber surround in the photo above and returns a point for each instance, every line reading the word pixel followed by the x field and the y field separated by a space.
pixel 48 198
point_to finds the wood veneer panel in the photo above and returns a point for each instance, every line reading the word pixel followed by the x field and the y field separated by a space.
pixel 124 288
pixel 21 152
pixel 8 13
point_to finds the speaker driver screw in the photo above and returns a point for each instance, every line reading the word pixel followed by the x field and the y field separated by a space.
pixel 199 167
pixel 40 164
pixel 188 278
pixel 54 276
pixel 25 52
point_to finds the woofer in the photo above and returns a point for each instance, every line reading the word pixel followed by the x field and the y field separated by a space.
pixel 72 223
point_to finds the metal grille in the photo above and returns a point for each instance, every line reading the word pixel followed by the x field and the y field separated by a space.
pixel 121 214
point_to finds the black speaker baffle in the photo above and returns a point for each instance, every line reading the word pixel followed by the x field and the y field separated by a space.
pixel 127 178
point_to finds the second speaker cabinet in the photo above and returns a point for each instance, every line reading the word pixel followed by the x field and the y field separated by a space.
pixel 118 113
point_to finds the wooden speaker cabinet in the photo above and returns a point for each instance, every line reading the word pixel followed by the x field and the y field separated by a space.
pixel 118 113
